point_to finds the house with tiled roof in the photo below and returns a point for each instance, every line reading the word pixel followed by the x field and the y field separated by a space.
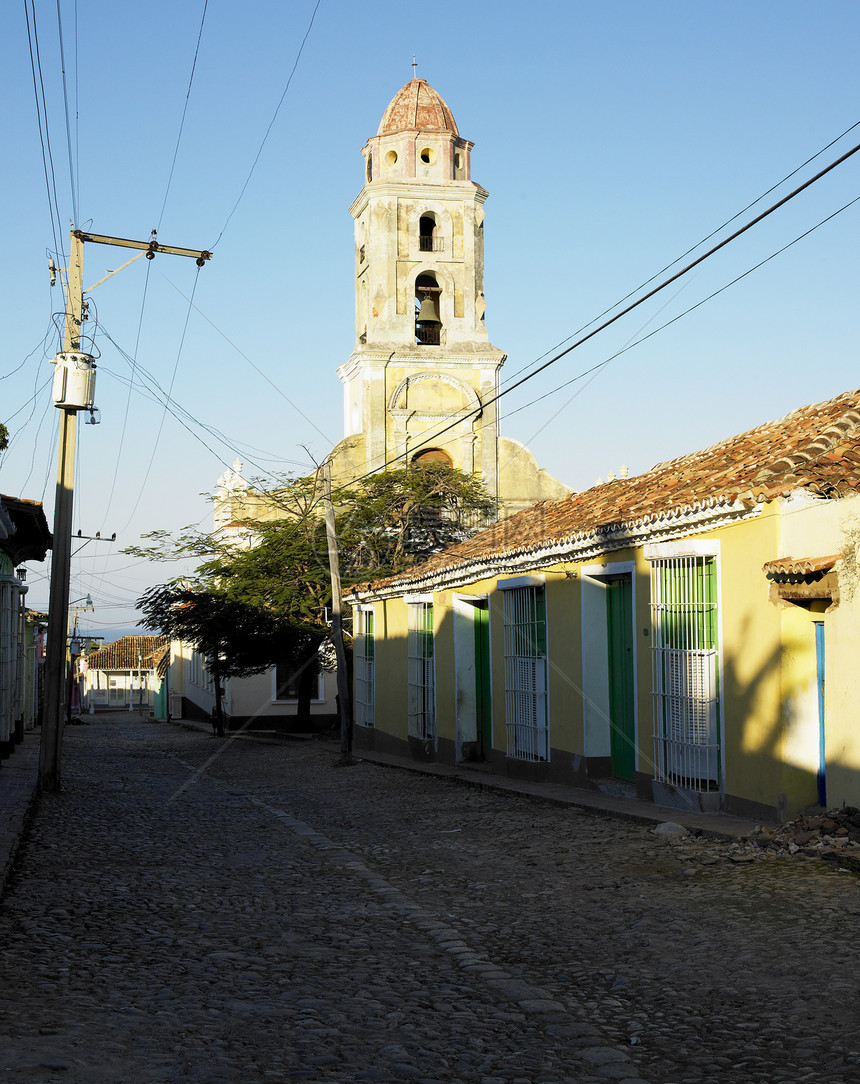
pixel 24 537
pixel 127 674
pixel 666 633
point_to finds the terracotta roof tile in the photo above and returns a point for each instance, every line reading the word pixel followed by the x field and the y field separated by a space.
pixel 129 652
pixel 801 566
pixel 417 106
pixel 815 447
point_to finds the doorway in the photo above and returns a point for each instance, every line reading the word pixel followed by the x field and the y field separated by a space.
pixel 619 640
pixel 473 678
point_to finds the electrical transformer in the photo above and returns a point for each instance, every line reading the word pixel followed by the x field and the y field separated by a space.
pixel 74 380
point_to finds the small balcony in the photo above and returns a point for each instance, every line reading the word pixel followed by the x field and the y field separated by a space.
pixel 430 243
pixel 428 334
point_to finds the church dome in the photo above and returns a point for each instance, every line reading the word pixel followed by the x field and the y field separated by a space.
pixel 417 106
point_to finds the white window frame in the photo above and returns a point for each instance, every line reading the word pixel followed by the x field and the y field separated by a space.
pixel 364 646
pixel 421 668
pixel 526 668
pixel 686 678
pixel 318 698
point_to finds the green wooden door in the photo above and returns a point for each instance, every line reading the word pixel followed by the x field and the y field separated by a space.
pixel 483 701
pixel 619 624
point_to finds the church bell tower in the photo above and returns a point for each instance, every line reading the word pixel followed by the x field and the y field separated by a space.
pixel 422 361
pixel 422 357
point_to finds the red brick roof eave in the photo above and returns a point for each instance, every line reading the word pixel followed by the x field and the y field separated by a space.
pixel 801 566
pixel 126 654
pixel 493 558
pixel 815 448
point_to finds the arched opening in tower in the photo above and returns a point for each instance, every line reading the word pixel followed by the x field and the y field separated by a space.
pixel 428 326
pixel 433 455
pixel 428 239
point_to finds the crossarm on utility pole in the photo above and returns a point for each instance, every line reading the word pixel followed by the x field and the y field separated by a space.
pixel 149 246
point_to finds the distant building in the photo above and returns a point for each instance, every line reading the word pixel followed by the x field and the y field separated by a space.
pixel 24 536
pixel 125 674
pixel 260 701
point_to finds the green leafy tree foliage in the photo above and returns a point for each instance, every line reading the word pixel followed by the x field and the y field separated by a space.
pixel 236 639
pixel 4 437
pixel 260 603
pixel 263 603
pixel 284 576
pixel 398 518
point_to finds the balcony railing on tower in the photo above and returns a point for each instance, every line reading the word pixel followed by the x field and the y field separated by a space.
pixel 428 335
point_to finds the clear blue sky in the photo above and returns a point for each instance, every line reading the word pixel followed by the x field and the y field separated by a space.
pixel 612 137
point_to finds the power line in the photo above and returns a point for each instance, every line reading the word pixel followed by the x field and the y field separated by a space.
pixel 184 111
pixel 157 394
pixel 133 361
pixel 77 100
pixel 637 342
pixel 167 399
pixel 44 135
pixel 271 124
pixel 39 346
pixel 68 124
pixel 254 366
pixel 690 250
pixel 433 438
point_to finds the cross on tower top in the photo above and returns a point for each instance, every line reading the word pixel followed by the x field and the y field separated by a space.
pixel 414 66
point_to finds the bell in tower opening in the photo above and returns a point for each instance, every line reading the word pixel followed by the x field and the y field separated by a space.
pixel 428 326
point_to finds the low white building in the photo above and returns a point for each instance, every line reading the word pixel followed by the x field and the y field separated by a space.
pixel 125 674
pixel 265 700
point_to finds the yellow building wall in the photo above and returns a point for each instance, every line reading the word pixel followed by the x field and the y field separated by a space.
pixel 767 665
pixel 390 665
pixel 564 651
pixel 842 697
pixel 799 720
pixel 815 528
pixel 750 688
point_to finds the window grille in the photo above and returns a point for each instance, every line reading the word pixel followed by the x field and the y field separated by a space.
pixel 526 674
pixel 684 672
pixel 422 692
pixel 287 679
pixel 364 668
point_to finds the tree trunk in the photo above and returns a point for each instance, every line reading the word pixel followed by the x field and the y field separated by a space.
pixel 306 691
pixel 219 705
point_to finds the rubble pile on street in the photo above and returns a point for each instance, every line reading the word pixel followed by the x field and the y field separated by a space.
pixel 833 835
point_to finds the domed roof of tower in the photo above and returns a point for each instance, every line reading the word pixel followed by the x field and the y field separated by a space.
pixel 417 106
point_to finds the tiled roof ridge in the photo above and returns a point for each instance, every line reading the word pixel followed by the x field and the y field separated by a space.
pixel 801 566
pixel 849 420
pixel 731 478
pixel 127 652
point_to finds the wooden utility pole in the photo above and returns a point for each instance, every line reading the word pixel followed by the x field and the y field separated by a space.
pixel 74 383
pixel 337 621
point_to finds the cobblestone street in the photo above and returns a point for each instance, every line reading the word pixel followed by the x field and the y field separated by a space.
pixel 192 910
